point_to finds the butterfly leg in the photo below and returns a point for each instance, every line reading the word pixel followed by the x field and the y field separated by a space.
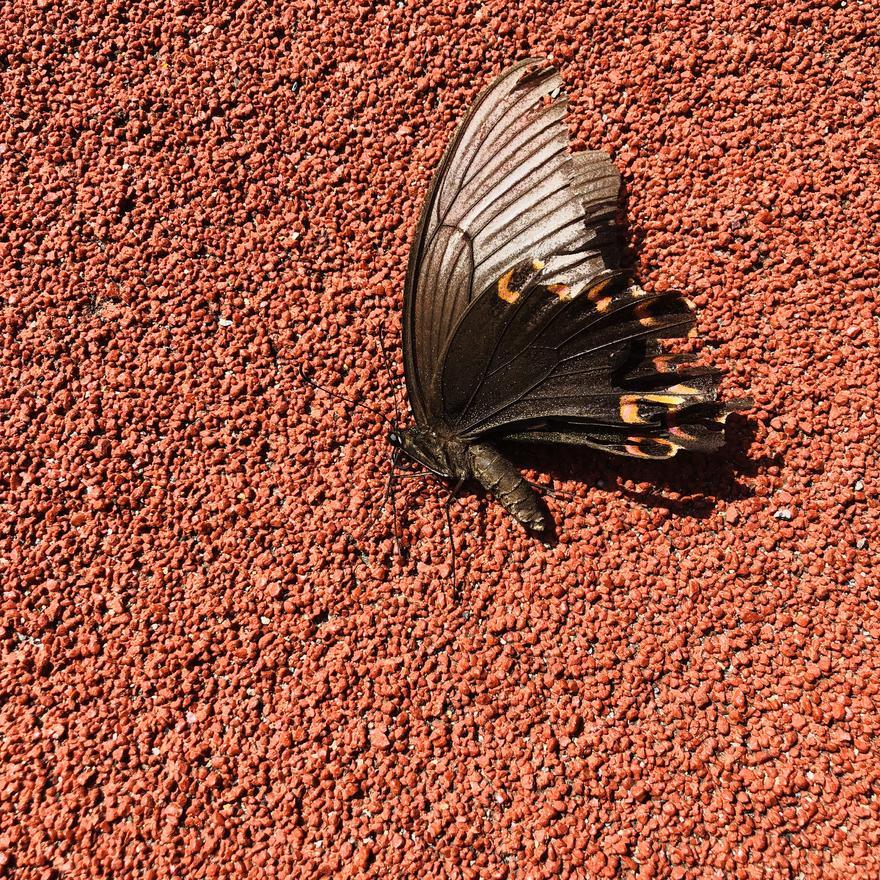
pixel 551 490
pixel 390 493
pixel 447 508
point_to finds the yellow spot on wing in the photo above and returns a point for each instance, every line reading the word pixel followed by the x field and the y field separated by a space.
pixel 665 399
pixel 629 409
pixel 629 404
pixel 602 304
pixel 563 291
pixel 642 313
pixel 683 389
pixel 504 292
pixel 537 265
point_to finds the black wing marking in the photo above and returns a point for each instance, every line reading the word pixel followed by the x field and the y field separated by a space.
pixel 507 193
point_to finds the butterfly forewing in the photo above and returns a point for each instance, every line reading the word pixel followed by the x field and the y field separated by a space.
pixel 504 189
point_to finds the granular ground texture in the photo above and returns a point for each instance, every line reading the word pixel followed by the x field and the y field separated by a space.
pixel 214 664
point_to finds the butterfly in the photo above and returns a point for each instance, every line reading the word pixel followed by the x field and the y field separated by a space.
pixel 519 322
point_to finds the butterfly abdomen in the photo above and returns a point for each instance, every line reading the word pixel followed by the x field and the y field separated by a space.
pixel 498 476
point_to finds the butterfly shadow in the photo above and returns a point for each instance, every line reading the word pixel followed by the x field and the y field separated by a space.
pixel 686 485
pixel 630 239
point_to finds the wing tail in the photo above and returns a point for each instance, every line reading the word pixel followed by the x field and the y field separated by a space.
pixel 696 429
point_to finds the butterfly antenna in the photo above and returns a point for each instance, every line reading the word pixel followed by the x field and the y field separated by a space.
pixel 343 398
pixel 391 475
pixel 388 370
pixel 455 591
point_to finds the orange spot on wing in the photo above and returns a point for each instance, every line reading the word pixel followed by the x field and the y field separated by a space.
pixel 668 445
pixel 634 447
pixel 629 405
pixel 598 289
pixel 504 291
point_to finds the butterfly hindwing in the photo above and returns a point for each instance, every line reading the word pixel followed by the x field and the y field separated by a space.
pixel 586 369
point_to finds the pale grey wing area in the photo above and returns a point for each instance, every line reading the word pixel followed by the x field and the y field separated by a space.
pixel 508 194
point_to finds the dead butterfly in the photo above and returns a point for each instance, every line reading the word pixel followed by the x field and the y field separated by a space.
pixel 519 322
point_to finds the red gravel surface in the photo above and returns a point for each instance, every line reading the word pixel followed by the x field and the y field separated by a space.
pixel 213 664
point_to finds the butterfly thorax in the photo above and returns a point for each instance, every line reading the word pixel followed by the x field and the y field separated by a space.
pixel 446 457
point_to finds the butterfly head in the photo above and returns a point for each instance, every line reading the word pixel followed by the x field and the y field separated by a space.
pixel 425 447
